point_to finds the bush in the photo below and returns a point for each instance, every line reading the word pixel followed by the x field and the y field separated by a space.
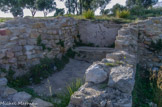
pixel 122 14
pixel 88 14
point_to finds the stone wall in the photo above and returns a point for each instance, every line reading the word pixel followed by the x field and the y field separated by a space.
pixel 99 33
pixel 24 41
pixel 150 30
pixel 110 82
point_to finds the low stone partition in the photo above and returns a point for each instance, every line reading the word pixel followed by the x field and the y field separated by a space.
pixel 91 54
pixel 24 41
pixel 109 83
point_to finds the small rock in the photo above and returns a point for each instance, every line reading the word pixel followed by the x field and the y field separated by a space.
pixel 109 104
pixel 9 91
pixel 21 96
pixel 3 82
pixel 41 103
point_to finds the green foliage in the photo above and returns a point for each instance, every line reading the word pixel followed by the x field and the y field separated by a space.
pixel 156 46
pixel 13 6
pixel 116 63
pixel 89 14
pixel 145 89
pixel 142 3
pixel 4 19
pixel 142 13
pixel 105 12
pixel 122 14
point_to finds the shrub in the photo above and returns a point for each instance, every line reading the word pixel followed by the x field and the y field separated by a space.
pixel 88 14
pixel 122 14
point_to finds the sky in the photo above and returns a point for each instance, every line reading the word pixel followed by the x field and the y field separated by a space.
pixel 61 5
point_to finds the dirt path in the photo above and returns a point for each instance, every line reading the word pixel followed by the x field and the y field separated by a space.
pixel 58 81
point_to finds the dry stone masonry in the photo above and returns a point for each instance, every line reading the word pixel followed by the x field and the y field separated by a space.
pixel 110 82
pixel 24 41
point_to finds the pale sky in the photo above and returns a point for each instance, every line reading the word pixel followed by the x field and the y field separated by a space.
pixel 61 5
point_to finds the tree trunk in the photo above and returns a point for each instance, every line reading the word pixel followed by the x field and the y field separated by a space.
pixel 76 7
pixel 45 13
pixel 33 12
pixel 81 6
pixel 69 8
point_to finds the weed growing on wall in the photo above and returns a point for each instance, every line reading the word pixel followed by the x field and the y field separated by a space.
pixel 66 95
pixel 39 43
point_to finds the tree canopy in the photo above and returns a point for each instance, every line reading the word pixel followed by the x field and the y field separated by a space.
pixel 13 6
pixel 144 3
pixel 46 6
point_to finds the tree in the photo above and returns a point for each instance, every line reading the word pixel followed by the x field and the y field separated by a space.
pixel 105 12
pixel 32 6
pixel 59 12
pixel 117 7
pixel 46 6
pixel 94 4
pixel 13 6
pixel 77 6
pixel 144 3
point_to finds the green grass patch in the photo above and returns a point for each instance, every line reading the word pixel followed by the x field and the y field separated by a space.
pixel 4 19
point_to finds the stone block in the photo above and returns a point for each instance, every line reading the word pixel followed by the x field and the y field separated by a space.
pixel 122 78
pixel 96 74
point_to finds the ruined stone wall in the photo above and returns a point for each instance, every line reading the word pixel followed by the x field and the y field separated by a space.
pixel 150 30
pixel 24 41
pixel 110 82
pixel 99 33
